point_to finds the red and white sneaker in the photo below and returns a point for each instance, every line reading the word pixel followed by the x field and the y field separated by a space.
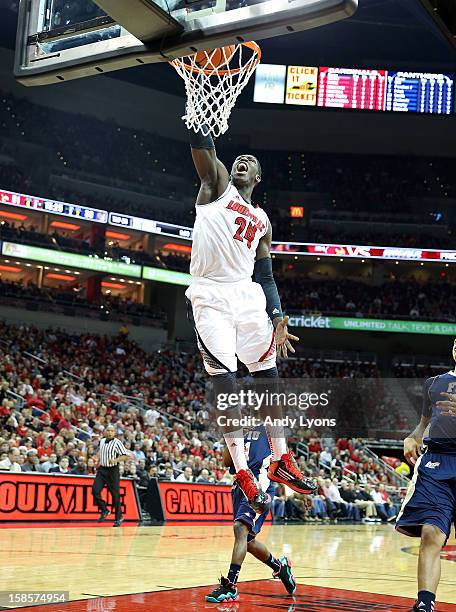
pixel 258 499
pixel 286 471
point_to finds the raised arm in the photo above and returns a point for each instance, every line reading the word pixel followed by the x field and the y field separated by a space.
pixel 262 274
pixel 213 175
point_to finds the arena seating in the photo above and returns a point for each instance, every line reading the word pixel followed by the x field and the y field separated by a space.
pixel 85 148
pixel 391 300
pixel 72 301
pixel 406 299
pixel 58 392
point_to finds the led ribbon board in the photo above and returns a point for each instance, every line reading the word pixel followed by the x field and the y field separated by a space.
pixel 83 213
pixel 70 260
pixel 316 321
pixel 160 275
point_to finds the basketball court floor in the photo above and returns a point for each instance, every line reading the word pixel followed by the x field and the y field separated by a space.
pixel 337 567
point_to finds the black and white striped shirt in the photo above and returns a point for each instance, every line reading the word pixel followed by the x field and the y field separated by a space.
pixel 110 450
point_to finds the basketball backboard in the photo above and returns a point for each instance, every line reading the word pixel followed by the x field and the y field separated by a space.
pixel 59 40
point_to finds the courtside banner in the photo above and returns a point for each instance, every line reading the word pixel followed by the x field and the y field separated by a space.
pixel 196 502
pixel 33 497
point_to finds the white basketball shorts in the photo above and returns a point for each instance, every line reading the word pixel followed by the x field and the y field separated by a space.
pixel 230 320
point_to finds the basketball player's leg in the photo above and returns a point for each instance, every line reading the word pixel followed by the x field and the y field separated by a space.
pixel 215 336
pixel 429 561
pixel 247 524
pixel 281 568
pixel 210 313
pixel 427 512
pixel 255 347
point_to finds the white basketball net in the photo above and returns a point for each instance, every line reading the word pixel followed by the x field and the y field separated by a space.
pixel 212 90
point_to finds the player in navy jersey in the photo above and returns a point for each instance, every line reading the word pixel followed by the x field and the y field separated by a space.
pixel 247 524
pixel 430 504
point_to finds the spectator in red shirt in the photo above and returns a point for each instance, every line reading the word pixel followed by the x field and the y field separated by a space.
pixel 356 456
pixel 64 423
pixel 342 444
pixel 45 449
pixel 36 402
pixel 314 445
pixel 21 428
pixel 5 408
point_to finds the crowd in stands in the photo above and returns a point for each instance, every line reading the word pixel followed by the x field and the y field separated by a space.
pixel 414 239
pixel 420 371
pixel 73 300
pixel 104 248
pixel 88 148
pixel 62 241
pixel 409 300
pixel 375 183
pixel 394 299
pixel 92 145
pixel 14 232
pixel 12 177
pixel 165 206
pixel 59 391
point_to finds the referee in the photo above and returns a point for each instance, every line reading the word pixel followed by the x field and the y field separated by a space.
pixel 110 452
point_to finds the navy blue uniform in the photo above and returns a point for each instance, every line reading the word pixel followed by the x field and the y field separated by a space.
pixel 258 456
pixel 431 498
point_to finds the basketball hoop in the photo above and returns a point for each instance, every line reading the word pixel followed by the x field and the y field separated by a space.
pixel 213 82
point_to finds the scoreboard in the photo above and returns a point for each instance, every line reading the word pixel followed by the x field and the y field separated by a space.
pixel 355 88
pixel 419 92
pixel 352 88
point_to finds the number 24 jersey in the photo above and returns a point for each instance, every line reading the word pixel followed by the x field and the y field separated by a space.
pixel 225 238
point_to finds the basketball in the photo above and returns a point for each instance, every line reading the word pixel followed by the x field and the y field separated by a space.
pixel 215 57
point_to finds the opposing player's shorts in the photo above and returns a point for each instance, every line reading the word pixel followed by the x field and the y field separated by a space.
pixel 431 497
pixel 230 320
pixel 244 513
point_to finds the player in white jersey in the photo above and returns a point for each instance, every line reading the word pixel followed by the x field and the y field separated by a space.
pixel 233 316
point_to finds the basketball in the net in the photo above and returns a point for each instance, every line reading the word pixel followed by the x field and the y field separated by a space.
pixel 215 57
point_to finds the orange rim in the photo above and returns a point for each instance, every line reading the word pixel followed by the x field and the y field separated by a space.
pixel 250 44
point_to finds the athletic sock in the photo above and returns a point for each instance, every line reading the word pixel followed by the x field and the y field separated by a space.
pixel 233 573
pixel 427 599
pixel 277 442
pixel 273 563
pixel 235 443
